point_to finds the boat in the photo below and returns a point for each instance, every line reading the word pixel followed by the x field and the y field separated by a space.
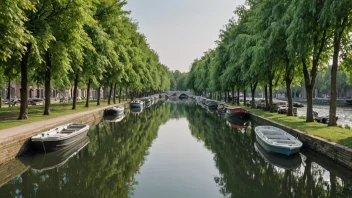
pixel 321 119
pixel 348 101
pixel 113 111
pixel 281 161
pixel 136 111
pixel 48 161
pixel 212 105
pixel 146 100
pixel 183 96
pixel 275 140
pixel 283 109
pixel 236 112
pixel 237 123
pixel 137 104
pixel 116 118
pixel 221 106
pixel 59 137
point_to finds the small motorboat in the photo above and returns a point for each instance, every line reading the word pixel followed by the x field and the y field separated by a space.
pixel 59 137
pixel 137 104
pixel 237 112
pixel 113 111
pixel 48 161
pixel 281 161
pixel 275 140
pixel 117 118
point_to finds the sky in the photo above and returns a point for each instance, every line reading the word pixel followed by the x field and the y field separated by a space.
pixel 181 30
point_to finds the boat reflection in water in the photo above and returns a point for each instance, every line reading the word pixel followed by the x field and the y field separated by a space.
pixel 43 162
pixel 281 161
pixel 117 118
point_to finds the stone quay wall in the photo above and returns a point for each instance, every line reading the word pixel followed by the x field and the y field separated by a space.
pixel 334 151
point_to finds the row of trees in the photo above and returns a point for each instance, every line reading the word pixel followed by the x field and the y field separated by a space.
pixel 64 43
pixel 278 43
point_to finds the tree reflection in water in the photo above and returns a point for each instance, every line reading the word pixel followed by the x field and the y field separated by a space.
pixel 108 165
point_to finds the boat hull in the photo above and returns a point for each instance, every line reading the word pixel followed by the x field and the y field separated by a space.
pixel 274 149
pixel 50 146
pixel 112 112
pixel 136 105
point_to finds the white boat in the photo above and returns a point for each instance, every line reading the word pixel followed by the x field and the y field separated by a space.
pixel 276 140
pixel 114 111
pixel 112 118
pixel 59 137
pixel 137 104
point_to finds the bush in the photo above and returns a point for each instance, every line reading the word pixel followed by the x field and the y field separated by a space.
pixel 347 127
pixel 340 126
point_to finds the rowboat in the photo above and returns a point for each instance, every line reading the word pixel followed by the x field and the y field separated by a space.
pixel 117 118
pixel 137 104
pixel 276 140
pixel 112 111
pixel 136 111
pixel 48 161
pixel 183 96
pixel 281 161
pixel 212 105
pixel 237 123
pixel 59 137
pixel 237 112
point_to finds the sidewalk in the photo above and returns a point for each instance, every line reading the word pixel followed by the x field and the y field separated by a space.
pixel 10 133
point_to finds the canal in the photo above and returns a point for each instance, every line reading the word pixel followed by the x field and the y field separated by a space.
pixel 175 149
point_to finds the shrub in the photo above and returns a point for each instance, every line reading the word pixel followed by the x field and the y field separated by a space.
pixel 347 127
pixel 302 117
pixel 340 126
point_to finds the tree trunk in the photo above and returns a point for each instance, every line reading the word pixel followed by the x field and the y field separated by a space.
pixel 9 92
pixel 98 95
pixel 266 97
pixel 238 96
pixel 47 85
pixel 109 98
pixel 289 96
pixel 244 97
pixel 114 97
pixel 233 94
pixel 334 68
pixel 225 97
pixel 126 93
pixel 24 85
pixel 271 107
pixel 120 92
pixel 74 105
pixel 309 93
pixel 88 93
pixel 253 88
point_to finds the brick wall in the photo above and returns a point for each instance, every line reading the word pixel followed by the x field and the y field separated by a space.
pixel 334 151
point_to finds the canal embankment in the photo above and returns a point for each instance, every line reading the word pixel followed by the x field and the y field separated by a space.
pixel 16 140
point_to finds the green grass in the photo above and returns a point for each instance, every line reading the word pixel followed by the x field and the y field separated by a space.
pixel 335 134
pixel 8 116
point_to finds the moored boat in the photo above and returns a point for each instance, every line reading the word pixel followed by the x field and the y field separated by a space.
pixel 276 140
pixel 48 161
pixel 281 161
pixel 112 111
pixel 116 118
pixel 59 137
pixel 137 104
pixel 212 105
pixel 237 112
pixel 237 123
pixel 136 111
pixel 183 96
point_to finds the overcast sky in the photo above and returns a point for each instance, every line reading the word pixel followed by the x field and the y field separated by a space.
pixel 181 30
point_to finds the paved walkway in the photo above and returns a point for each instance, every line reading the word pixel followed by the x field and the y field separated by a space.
pixel 10 133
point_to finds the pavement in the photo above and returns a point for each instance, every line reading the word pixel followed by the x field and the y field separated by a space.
pixel 11 133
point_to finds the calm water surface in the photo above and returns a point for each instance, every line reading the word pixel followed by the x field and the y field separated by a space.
pixel 175 150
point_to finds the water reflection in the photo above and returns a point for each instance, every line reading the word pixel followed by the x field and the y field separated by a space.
pixel 108 166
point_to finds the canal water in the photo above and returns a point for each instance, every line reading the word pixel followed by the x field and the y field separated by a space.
pixel 176 149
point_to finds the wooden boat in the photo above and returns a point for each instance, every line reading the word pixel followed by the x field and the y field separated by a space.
pixel 281 161
pixel 275 140
pixel 137 104
pixel 116 118
pixel 237 123
pixel 237 112
pixel 48 161
pixel 113 111
pixel 59 137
